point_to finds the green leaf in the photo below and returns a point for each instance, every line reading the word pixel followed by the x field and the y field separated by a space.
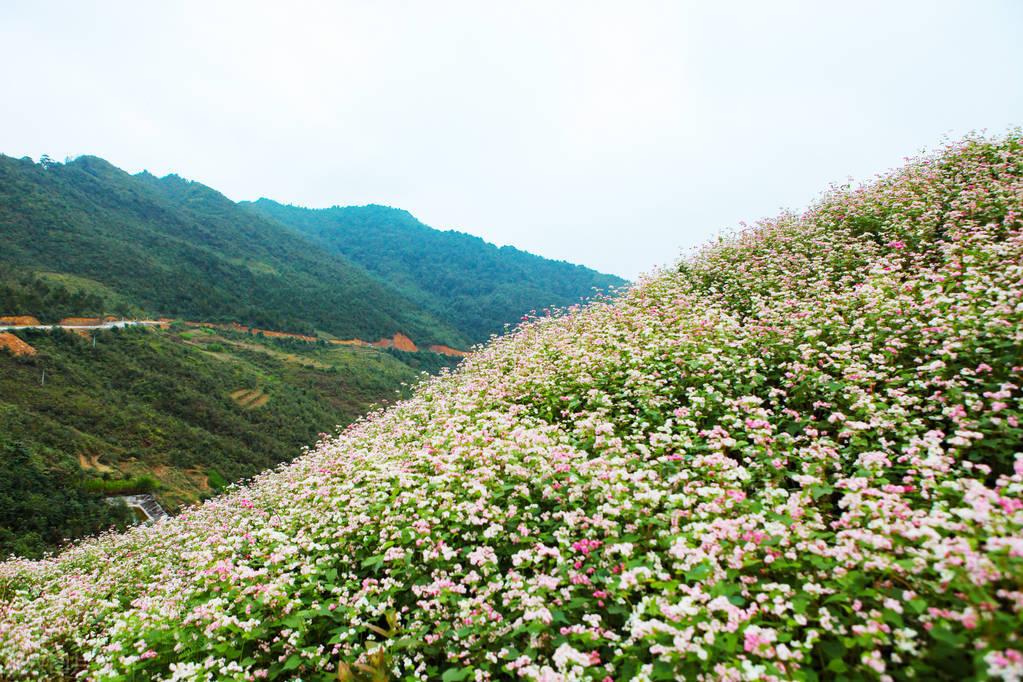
pixel 832 648
pixel 819 491
pixel 837 665
pixel 698 572
pixel 455 674
pixel 373 561
pixel 943 634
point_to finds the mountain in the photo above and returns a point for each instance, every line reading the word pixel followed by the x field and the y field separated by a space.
pixel 796 455
pixel 471 285
pixel 180 249
pixel 253 359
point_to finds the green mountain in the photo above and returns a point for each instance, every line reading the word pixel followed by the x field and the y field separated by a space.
pixel 180 249
pixel 469 284
pixel 182 410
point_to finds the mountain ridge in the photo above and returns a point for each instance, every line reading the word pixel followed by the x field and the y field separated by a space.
pixel 244 303
pixel 255 263
pixel 454 275
pixel 180 248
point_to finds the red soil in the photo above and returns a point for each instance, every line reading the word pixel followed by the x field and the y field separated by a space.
pixel 399 341
pixel 448 350
pixel 23 320
pixel 402 342
pixel 81 321
pixel 15 345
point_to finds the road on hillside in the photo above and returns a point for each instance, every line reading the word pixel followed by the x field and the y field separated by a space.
pixel 119 324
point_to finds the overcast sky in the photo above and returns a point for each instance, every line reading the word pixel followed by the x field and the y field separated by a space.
pixel 608 134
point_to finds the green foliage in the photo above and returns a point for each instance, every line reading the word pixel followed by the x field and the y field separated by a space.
pixel 156 409
pixel 471 285
pixel 422 361
pixel 122 486
pixel 216 479
pixel 180 249
pixel 23 292
pixel 43 500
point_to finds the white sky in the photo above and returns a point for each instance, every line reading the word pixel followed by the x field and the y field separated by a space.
pixel 608 134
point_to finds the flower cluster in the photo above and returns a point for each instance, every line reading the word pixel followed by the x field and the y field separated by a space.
pixel 796 455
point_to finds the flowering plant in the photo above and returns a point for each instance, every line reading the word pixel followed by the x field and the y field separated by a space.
pixel 796 455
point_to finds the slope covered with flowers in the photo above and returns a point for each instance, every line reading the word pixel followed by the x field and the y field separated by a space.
pixel 797 455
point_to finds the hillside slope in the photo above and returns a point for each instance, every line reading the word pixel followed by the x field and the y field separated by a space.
pixel 186 409
pixel 178 248
pixel 472 285
pixel 796 456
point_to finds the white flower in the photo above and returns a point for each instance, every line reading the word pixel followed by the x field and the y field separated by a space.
pixel 566 656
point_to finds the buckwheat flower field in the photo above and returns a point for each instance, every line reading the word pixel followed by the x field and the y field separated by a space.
pixel 795 455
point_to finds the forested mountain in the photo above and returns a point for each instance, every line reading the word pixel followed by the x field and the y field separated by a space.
pixel 473 286
pixel 178 248
pixel 201 401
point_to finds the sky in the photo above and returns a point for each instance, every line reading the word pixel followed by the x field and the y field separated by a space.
pixel 616 135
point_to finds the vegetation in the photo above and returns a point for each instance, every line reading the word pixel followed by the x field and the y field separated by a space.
pixel 125 486
pixel 471 285
pixel 797 456
pixel 45 499
pixel 177 248
pixel 29 293
pixel 145 410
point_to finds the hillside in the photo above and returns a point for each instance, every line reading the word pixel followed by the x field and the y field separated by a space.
pixel 794 456
pixel 180 249
pixel 468 283
pixel 183 410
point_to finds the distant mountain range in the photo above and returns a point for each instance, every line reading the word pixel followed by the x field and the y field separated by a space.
pixel 465 282
pixel 168 246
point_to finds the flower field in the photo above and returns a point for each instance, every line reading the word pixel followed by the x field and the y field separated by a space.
pixel 796 455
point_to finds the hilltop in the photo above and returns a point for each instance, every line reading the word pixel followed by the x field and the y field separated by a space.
pixel 795 455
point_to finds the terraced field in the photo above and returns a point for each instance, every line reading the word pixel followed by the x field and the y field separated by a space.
pixel 250 398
